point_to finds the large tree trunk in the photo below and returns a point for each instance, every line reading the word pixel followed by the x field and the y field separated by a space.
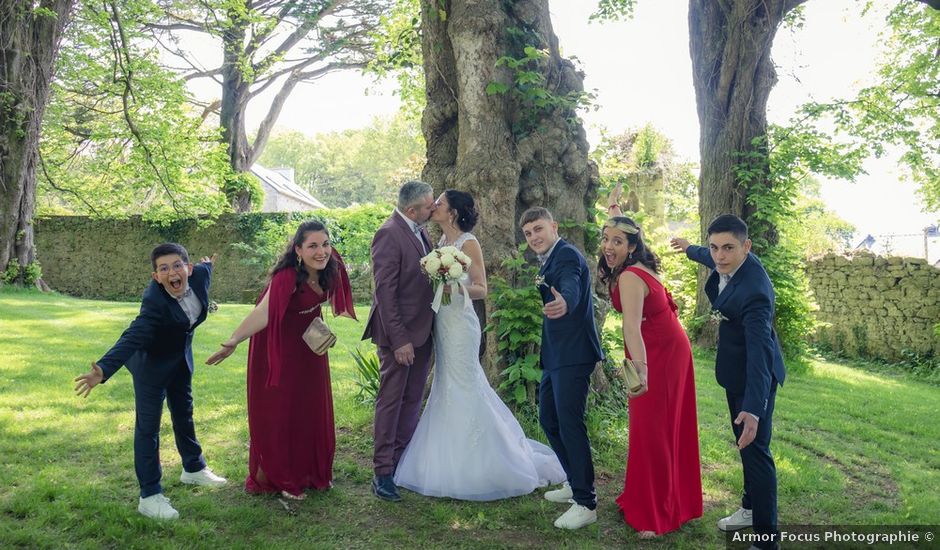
pixel 476 142
pixel 733 74
pixel 235 95
pixel 29 40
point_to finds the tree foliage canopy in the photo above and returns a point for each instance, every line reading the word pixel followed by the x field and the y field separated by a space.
pixel 270 45
pixel 353 166
pixel 119 135
pixel 902 109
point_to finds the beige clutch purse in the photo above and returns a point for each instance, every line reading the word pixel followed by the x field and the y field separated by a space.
pixel 630 376
pixel 319 336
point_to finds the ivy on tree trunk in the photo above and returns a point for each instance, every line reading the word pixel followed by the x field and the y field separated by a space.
pixel 730 42
pixel 500 123
pixel 29 38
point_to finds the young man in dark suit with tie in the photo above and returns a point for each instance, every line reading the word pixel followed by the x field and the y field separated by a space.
pixel 749 364
pixel 569 352
pixel 157 349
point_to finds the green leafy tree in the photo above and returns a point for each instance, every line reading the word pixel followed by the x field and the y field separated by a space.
pixel 398 53
pixel 792 155
pixel 732 72
pixel 274 44
pixel 818 229
pixel 903 108
pixel 352 166
pixel 637 155
pixel 119 136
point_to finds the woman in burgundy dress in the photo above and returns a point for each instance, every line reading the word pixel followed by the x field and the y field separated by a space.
pixel 663 486
pixel 290 403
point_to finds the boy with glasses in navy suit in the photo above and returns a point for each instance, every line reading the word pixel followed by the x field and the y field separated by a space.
pixel 157 349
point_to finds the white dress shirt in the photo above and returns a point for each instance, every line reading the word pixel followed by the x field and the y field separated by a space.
pixel 415 228
pixel 191 305
pixel 542 258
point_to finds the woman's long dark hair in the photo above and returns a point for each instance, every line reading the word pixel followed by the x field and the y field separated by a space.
pixel 290 260
pixel 641 254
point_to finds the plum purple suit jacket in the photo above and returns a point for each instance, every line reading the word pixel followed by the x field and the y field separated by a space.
pixel 401 304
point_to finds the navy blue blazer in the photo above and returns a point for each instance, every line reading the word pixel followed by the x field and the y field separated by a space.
pixel 749 360
pixel 572 339
pixel 160 338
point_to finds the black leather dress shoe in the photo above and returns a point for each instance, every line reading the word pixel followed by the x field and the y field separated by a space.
pixel 384 488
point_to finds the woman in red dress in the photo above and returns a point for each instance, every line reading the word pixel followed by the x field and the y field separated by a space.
pixel 290 403
pixel 663 486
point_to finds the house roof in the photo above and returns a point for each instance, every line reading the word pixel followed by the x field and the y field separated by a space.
pixel 285 186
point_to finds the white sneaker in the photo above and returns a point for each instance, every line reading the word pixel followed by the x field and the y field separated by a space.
pixel 203 477
pixel 157 507
pixel 741 519
pixel 562 495
pixel 576 517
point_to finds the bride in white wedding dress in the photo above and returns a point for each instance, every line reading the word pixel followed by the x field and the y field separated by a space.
pixel 468 445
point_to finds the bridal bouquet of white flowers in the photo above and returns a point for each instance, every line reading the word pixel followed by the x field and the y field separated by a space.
pixel 446 266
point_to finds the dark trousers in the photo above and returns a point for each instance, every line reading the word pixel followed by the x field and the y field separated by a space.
pixel 148 398
pixel 562 402
pixel 397 405
pixel 760 472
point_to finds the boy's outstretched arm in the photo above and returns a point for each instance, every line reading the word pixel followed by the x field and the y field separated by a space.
pixel 695 253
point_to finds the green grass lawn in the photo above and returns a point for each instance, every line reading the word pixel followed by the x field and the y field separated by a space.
pixel 852 447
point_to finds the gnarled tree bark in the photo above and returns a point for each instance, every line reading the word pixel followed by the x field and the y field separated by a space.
pixel 473 138
pixel 730 41
pixel 29 39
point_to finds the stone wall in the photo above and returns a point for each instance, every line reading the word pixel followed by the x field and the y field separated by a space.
pixel 110 259
pixel 876 307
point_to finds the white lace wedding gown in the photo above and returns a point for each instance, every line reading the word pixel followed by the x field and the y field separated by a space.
pixel 468 445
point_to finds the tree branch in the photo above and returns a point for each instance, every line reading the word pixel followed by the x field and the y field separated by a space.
pixel 299 33
pixel 264 130
pixel 790 5
pixel 210 108
pixel 315 74
pixel 176 27
pixel 298 66
pixel 51 182
pixel 211 73
pixel 123 59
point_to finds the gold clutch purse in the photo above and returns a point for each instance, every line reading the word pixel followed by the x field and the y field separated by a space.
pixel 631 378
pixel 319 336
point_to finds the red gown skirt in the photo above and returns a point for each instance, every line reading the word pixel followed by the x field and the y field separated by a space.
pixel 290 425
pixel 663 485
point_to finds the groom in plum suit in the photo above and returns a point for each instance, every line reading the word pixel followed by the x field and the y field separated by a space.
pixel 400 326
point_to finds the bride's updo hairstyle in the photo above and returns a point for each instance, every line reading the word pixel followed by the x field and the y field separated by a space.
pixel 465 213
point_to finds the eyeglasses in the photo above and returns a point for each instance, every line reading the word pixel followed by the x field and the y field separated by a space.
pixel 177 266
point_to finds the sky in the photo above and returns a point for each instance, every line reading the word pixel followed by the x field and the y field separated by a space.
pixel 642 73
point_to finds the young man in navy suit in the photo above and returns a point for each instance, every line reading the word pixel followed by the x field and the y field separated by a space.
pixel 749 364
pixel 570 350
pixel 157 349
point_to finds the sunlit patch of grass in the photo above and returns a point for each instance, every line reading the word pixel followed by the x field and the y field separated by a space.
pixel 852 446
